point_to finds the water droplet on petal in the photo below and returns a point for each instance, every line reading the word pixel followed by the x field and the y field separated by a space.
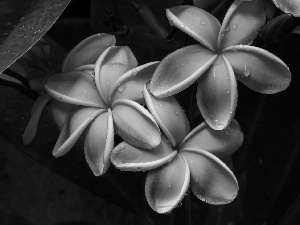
pixel 176 113
pixel 160 105
pixel 230 112
pixel 246 71
pixel 182 25
pixel 192 161
pixel 134 72
pixel 227 132
pixel 121 88
pixel 227 29
pixel 228 91
pixel 171 22
pixel 170 185
pixel 203 22
pixel 234 26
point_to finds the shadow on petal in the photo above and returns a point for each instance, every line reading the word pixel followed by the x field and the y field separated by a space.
pixel 73 127
pixel 242 23
pixel 74 87
pixel 128 158
pixel 99 142
pixel 217 94
pixel 166 186
pixel 110 66
pixel 180 69
pixel 169 116
pixel 87 51
pixel 211 180
pixel 130 85
pixel 218 142
pixel 197 23
pixel 135 124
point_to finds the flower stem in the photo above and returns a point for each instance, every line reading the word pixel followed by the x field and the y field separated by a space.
pixel 182 214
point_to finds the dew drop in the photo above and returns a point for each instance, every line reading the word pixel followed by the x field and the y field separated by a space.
pixel 160 105
pixel 234 26
pixel 182 25
pixel 203 22
pixel 228 91
pixel 170 185
pixel 227 29
pixel 171 22
pixel 230 112
pixel 176 113
pixel 246 71
pixel 134 72
pixel 214 72
pixel 192 161
pixel 227 132
pixel 121 88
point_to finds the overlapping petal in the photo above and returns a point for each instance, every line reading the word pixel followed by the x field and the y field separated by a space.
pixel 135 124
pixel 87 51
pixel 128 158
pixel 74 87
pixel 218 142
pixel 288 6
pixel 197 23
pixel 166 186
pixel 258 69
pixel 211 180
pixel 169 116
pixel 99 142
pixel 110 66
pixel 73 127
pixel 180 69
pixel 59 112
pixel 131 84
pixel 217 94
pixel 31 128
pixel 242 23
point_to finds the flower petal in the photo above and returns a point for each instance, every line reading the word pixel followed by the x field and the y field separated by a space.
pixel 130 85
pixel 135 124
pixel 73 127
pixel 87 51
pixel 166 186
pixel 197 23
pixel 99 142
pixel 258 69
pixel 74 87
pixel 180 69
pixel 218 142
pixel 217 94
pixel 242 23
pixel 211 180
pixel 110 66
pixel 128 158
pixel 37 108
pixel 169 116
pixel 59 112
pixel 288 6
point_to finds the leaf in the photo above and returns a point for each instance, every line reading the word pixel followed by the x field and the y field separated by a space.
pixel 23 23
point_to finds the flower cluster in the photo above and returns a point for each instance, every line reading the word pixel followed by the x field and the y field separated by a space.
pixel 102 90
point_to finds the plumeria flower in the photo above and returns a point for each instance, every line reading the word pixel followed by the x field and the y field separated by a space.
pixel 183 158
pixel 222 56
pixel 84 53
pixel 108 95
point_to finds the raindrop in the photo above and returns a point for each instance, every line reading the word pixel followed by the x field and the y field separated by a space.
pixel 227 29
pixel 134 72
pixel 160 105
pixel 246 71
pixel 228 91
pixel 171 23
pixel 192 161
pixel 121 88
pixel 203 22
pixel 214 72
pixel 170 185
pixel 177 113
pixel 93 74
pixel 182 25
pixel 230 112
pixel 227 132
pixel 234 26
